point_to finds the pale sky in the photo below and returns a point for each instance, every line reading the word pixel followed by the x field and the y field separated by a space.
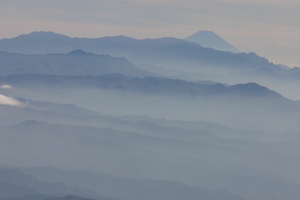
pixel 270 28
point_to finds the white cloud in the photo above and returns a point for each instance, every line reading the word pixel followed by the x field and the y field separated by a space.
pixel 4 100
pixel 6 86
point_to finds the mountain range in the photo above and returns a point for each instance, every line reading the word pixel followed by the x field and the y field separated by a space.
pixel 117 94
pixel 168 57
pixel 69 137
pixel 76 62
pixel 137 156
pixel 104 183
pixel 15 184
pixel 118 118
pixel 146 85
pixel 164 52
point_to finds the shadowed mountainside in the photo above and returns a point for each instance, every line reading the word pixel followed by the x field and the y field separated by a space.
pixel 76 62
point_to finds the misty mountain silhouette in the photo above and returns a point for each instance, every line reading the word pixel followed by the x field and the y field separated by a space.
pixel 212 40
pixel 78 52
pixel 57 113
pixel 43 43
pixel 14 183
pixel 164 52
pixel 77 62
pixel 138 189
pixel 96 148
pixel 146 85
pixel 144 189
pixel 92 107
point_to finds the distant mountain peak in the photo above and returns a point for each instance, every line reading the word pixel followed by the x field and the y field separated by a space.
pixel 211 40
pixel 78 52
pixel 43 34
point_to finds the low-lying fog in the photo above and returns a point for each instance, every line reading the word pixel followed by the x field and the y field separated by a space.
pixel 273 114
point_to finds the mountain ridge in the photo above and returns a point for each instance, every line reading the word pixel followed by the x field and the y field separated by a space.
pixel 150 85
pixel 164 52
pixel 76 62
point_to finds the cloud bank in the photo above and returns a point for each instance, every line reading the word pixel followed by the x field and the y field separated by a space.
pixel 4 100
pixel 6 86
